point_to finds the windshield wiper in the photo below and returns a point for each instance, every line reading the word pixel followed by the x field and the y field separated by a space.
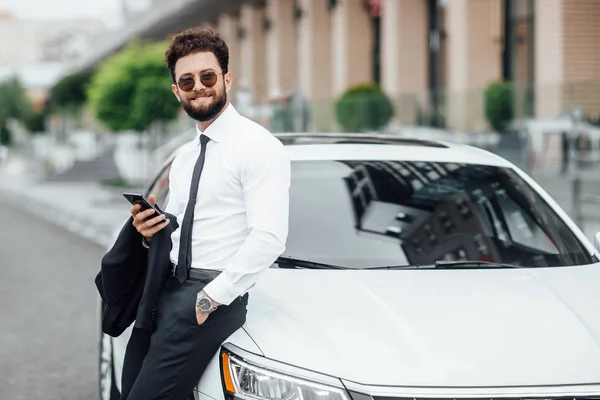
pixel 407 266
pixel 472 264
pixel 450 265
pixel 290 262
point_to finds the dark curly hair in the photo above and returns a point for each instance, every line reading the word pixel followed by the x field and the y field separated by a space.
pixel 196 40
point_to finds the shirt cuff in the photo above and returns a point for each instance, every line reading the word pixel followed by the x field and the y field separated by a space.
pixel 145 243
pixel 221 289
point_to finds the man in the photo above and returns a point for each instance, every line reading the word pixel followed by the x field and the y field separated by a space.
pixel 232 226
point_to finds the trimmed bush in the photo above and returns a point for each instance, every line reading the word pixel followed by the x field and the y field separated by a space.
pixel 364 108
pixel 499 104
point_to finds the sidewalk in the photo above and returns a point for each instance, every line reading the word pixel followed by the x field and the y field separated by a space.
pixel 88 209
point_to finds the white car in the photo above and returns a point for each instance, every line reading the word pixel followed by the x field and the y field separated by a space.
pixel 413 270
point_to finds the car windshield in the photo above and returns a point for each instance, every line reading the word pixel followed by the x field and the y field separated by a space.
pixel 363 214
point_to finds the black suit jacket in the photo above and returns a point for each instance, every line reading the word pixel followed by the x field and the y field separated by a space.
pixel 131 278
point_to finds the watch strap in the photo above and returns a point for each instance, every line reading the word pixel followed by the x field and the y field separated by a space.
pixel 201 296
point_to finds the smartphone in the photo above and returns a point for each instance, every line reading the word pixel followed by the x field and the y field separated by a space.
pixel 136 198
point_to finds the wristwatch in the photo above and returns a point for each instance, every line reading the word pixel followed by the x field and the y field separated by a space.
pixel 204 303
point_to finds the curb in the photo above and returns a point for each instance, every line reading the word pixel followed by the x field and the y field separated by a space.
pixel 98 234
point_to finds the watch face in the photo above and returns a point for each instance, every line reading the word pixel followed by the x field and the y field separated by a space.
pixel 204 304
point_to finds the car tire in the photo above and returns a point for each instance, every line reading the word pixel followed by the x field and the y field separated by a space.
pixel 107 385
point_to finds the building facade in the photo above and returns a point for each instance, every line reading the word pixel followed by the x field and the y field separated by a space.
pixel 37 52
pixel 428 55
pixel 432 57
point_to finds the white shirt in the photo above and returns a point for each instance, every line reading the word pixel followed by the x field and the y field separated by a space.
pixel 242 208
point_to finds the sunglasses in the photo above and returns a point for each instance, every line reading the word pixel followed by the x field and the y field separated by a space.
pixel 187 82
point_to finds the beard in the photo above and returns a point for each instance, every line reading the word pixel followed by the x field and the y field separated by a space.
pixel 207 112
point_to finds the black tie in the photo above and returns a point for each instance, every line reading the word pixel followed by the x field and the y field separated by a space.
pixel 184 261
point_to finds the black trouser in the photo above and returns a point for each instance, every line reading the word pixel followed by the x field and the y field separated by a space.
pixel 168 363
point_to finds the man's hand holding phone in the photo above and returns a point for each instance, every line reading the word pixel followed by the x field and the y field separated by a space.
pixel 145 220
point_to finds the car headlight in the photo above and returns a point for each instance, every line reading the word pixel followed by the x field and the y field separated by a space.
pixel 244 380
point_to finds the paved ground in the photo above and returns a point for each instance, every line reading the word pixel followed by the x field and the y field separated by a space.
pixel 88 209
pixel 48 321
pixel 99 169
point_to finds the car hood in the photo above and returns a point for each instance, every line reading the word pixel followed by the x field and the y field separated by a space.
pixel 500 327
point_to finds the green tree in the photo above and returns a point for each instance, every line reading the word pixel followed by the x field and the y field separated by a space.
pixel 36 121
pixel 153 101
pixel 13 100
pixel 14 104
pixel 132 89
pixel 364 108
pixel 499 104
pixel 70 92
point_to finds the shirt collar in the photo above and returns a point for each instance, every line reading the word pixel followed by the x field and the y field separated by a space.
pixel 216 131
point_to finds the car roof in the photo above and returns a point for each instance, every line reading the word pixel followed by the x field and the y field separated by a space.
pixel 306 146
pixel 336 146
pixel 452 154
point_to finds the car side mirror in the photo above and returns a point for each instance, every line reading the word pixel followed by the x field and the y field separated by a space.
pixel 597 240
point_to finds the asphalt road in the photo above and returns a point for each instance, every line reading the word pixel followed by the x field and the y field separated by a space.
pixel 48 319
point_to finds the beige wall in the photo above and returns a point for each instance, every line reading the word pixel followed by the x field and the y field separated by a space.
pixel 474 59
pixel 315 62
pixel 282 42
pixel 567 56
pixel 253 66
pixel 581 21
pixel 325 52
pixel 522 68
pixel 314 50
pixel 404 55
pixel 227 26
pixel 352 42
pixel 549 52
pixel 404 47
